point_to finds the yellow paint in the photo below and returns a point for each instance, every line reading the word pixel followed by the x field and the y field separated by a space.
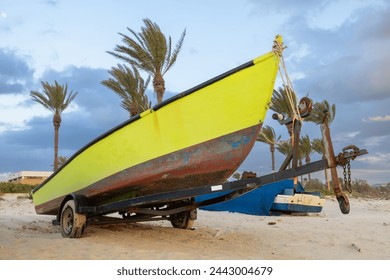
pixel 147 112
pixel 234 103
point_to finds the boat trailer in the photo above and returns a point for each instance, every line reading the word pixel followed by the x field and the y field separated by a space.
pixel 180 207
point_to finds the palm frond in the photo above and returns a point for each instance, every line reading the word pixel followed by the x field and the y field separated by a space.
pixel 55 98
pixel 267 135
pixel 306 147
pixel 318 146
pixel 172 58
pixel 280 102
pixel 284 147
pixel 322 112
pixel 41 99
pixel 128 84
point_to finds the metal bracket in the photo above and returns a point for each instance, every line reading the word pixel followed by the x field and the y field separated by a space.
pixel 349 153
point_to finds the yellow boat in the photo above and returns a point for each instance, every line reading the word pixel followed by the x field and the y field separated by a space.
pixel 197 138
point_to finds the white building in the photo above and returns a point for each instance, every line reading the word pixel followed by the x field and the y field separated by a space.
pixel 27 177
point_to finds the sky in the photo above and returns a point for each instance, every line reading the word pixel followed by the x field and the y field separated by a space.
pixel 336 51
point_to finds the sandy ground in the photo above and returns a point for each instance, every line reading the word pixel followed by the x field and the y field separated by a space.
pixel 362 234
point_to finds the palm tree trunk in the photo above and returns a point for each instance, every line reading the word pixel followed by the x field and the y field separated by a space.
pixel 331 160
pixel 159 87
pixel 272 149
pixel 57 124
pixel 296 125
pixel 327 180
pixel 134 109
pixel 300 164
pixel 308 160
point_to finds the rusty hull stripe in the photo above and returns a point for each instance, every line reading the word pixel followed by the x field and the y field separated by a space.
pixel 210 162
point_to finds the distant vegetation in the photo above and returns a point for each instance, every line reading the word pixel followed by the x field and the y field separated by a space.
pixel 360 188
pixel 6 187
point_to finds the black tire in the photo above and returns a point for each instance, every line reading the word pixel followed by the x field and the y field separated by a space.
pixel 72 224
pixel 183 220
pixel 344 204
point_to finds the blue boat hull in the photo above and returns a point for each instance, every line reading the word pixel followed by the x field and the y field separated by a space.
pixel 261 201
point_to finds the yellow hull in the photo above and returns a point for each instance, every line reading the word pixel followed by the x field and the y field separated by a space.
pixel 232 102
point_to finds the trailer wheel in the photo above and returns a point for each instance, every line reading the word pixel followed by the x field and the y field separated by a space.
pixel 183 220
pixel 72 224
pixel 343 204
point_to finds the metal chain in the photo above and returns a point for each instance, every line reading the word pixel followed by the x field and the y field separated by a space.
pixel 347 176
pixel 349 188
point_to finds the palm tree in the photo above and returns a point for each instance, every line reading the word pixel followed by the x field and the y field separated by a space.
pixel 236 176
pixel 267 135
pixel 323 114
pixel 318 147
pixel 306 149
pixel 284 103
pixel 62 160
pixel 56 99
pixel 280 101
pixel 280 104
pixel 150 51
pixel 130 87
pixel 284 147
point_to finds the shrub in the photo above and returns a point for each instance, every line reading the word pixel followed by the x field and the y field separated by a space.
pixel 360 188
pixel 6 187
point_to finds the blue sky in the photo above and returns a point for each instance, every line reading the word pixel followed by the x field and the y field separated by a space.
pixel 337 50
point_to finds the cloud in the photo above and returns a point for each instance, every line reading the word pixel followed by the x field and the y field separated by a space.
pixel 15 113
pixel 345 136
pixel 16 78
pixel 301 51
pixel 292 8
pixel 53 3
pixel 15 73
pixel 376 158
pixel 372 175
pixel 30 145
pixel 344 62
pixel 376 141
pixel 334 14
pixel 93 99
pixel 380 118
pixel 98 107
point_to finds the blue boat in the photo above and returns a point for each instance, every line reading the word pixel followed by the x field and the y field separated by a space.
pixel 274 198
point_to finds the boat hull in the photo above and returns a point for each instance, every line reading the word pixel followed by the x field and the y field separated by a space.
pixel 298 203
pixel 199 137
pixel 278 197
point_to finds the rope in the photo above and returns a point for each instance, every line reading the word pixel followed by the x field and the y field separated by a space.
pixel 278 48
